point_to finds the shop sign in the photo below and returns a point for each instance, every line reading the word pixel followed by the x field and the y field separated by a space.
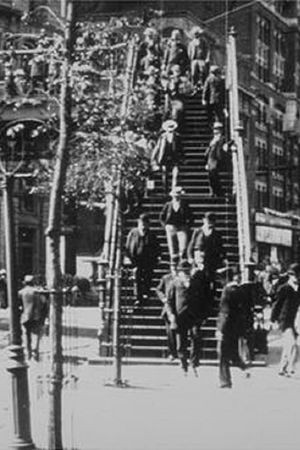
pixel 267 219
pixel 271 235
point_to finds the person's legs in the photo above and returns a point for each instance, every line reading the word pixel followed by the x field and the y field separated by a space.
pixel 194 72
pixel 182 237
pixel 287 343
pixel 291 351
pixel 146 278
pixel 138 284
pixel 224 363
pixel 172 242
pixel 164 178
pixel 195 333
pixel 175 172
pixel 182 345
pixel 28 340
pixel 171 336
pixel 214 179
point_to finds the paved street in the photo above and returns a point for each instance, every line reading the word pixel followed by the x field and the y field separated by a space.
pixel 160 409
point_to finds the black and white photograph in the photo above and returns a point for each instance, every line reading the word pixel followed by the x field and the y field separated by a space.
pixel 149 224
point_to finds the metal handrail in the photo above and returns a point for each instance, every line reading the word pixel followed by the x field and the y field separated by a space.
pixel 238 160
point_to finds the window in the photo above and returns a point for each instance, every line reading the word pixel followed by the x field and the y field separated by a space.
pixel 261 154
pixel 278 122
pixel 262 107
pixel 262 55
pixel 279 60
pixel 261 195
pixel 278 198
pixel 278 163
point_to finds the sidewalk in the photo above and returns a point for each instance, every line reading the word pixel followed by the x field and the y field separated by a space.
pixel 160 409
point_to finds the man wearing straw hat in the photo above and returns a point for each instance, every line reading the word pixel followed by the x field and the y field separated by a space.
pixel 167 153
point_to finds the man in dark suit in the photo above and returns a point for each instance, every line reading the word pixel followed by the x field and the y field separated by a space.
pixel 230 326
pixel 216 156
pixel 143 250
pixel 187 301
pixel 213 95
pixel 206 248
pixel 175 54
pixel 167 315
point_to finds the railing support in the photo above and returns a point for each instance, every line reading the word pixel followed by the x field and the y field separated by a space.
pixel 238 160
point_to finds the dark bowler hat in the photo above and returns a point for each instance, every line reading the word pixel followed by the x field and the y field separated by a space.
pixel 144 218
pixel 210 217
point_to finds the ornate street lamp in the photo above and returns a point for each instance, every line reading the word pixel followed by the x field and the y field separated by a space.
pixel 16 146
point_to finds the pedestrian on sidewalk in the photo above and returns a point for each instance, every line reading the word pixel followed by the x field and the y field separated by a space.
pixel 187 301
pixel 216 159
pixel 167 315
pixel 230 326
pixel 142 250
pixel 34 311
pixel 168 153
pixel 177 219
pixel 284 314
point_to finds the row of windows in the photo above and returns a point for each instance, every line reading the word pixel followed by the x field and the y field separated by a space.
pixel 263 54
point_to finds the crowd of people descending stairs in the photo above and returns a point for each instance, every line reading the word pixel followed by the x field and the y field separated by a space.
pixel 197 264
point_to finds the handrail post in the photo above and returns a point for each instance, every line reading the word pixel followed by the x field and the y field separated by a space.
pixel 238 160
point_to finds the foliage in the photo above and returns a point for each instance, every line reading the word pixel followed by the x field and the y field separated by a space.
pixel 114 120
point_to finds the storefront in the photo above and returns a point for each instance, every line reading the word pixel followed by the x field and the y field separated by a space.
pixel 274 237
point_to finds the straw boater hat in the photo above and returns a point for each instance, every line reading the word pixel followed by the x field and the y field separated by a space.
pixel 28 279
pixel 217 125
pixel 177 190
pixel 169 125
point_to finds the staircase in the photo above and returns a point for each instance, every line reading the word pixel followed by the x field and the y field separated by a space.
pixel 142 330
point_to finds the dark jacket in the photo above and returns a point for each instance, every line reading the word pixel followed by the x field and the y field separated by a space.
pixel 211 246
pixel 167 153
pixel 162 292
pixel 185 213
pixel 286 306
pixel 176 55
pixel 215 154
pixel 198 49
pixel 142 250
pixel 189 304
pixel 230 321
pixel 214 90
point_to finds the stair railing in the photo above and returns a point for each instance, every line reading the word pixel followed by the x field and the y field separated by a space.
pixel 238 160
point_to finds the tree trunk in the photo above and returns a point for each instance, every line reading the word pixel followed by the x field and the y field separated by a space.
pixel 53 236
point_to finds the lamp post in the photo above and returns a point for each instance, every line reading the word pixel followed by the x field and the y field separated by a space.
pixel 17 366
